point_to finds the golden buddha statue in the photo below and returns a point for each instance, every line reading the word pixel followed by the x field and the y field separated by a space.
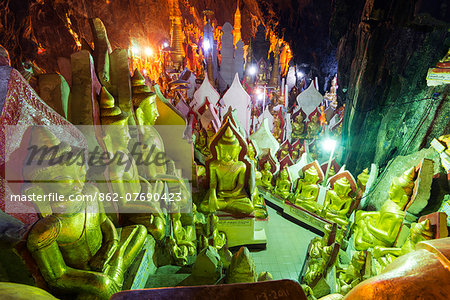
pixel 251 153
pixel 182 243
pixel 298 127
pixel 283 185
pixel 401 188
pixel 266 176
pixel 313 128
pixel 419 232
pixel 317 264
pixel 307 189
pixel 337 201
pixel 284 150
pixel 124 178
pixel 227 178
pixel 379 228
pixel 352 275
pixel 277 130
pixel 77 248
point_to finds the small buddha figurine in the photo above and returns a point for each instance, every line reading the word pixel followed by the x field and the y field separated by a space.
pixel 307 190
pixel 284 151
pixel 419 232
pixel 317 265
pixel 401 188
pixel 378 228
pixel 352 275
pixel 337 200
pixel 124 180
pixel 227 178
pixel 298 127
pixel 277 130
pixel 283 185
pixel 313 127
pixel 266 176
pixel 362 179
pixel 77 248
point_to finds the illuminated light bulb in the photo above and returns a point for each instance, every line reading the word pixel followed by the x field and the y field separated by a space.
pixel 148 51
pixel 328 144
pixel 300 74
pixel 144 72
pixel 260 96
pixel 206 45
pixel 258 91
pixel 252 70
pixel 166 44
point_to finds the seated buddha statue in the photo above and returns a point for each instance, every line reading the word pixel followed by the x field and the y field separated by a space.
pixel 337 201
pixel 298 127
pixel 183 241
pixel 124 178
pixel 77 249
pixel 313 127
pixel 353 273
pixel 317 265
pixel 307 189
pixel 266 176
pixel 283 185
pixel 227 178
pixel 419 232
pixel 277 130
pixel 378 228
pixel 362 179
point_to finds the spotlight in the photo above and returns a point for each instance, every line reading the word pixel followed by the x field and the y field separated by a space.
pixel 206 45
pixel 252 70
pixel 165 44
pixel 148 51
pixel 260 96
pixel 329 144
pixel 300 74
pixel 258 91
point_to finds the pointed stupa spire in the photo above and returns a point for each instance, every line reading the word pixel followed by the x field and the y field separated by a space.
pixel 237 26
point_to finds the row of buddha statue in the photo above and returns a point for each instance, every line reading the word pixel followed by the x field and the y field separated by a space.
pixel 338 200
pixel 374 240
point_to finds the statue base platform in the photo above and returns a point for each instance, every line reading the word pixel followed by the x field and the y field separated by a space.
pixel 242 231
pixel 304 217
pixel 273 201
pixel 143 266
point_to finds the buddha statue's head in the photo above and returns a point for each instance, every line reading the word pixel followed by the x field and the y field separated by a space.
pixel 331 172
pixel 342 187
pixel 60 171
pixel 421 231
pixel 114 122
pixel 267 166
pixel 402 187
pixel 228 147
pixel 144 100
pixel 311 175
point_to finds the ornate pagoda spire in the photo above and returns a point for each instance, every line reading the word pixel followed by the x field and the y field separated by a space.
pixel 237 26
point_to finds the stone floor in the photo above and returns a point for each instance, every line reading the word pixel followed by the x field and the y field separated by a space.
pixel 287 244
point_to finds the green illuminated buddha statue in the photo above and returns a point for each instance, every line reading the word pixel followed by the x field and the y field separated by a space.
pixel 298 127
pixel 362 179
pixel 337 200
pixel 283 185
pixel 378 228
pixel 124 177
pixel 307 189
pixel 227 178
pixel 183 241
pixel 419 232
pixel 266 176
pixel 77 248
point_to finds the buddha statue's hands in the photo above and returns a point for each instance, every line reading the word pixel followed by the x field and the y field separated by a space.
pixel 99 262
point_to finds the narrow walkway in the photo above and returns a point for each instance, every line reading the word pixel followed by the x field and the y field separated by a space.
pixel 287 244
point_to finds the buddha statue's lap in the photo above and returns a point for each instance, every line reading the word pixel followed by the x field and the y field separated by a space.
pixel 77 248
